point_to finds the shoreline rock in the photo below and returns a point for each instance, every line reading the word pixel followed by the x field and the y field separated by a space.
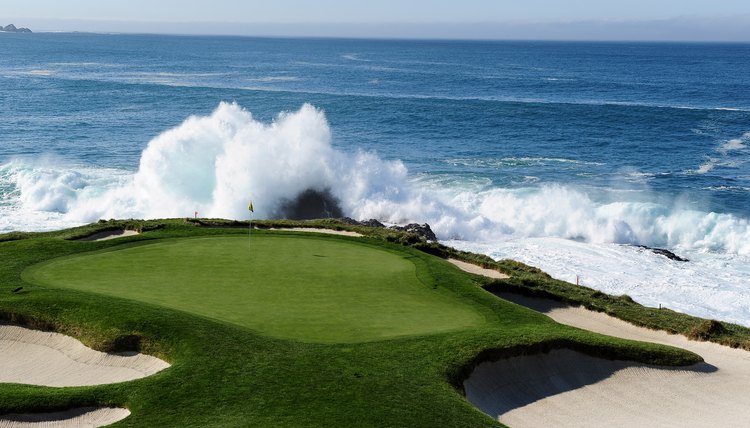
pixel 422 230
pixel 663 252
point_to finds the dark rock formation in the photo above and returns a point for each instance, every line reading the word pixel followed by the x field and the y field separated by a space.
pixel 422 230
pixel 372 223
pixel 369 223
pixel 12 29
pixel 349 220
pixel 663 252
pixel 310 204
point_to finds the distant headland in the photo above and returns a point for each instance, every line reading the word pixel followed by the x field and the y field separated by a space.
pixel 12 29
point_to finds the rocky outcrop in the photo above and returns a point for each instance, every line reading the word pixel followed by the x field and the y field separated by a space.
pixel 663 252
pixel 10 28
pixel 422 230
pixel 372 223
pixel 310 205
pixel 349 220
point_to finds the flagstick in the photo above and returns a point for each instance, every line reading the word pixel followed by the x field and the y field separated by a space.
pixel 250 222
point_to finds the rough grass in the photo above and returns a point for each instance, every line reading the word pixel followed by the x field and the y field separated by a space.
pixel 225 374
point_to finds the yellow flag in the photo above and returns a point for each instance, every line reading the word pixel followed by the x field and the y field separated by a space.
pixel 250 207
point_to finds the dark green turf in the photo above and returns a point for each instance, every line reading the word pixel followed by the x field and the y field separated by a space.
pixel 314 289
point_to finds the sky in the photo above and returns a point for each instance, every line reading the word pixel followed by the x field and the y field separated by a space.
pixel 709 20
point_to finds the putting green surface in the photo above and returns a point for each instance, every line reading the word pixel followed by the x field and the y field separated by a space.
pixel 314 289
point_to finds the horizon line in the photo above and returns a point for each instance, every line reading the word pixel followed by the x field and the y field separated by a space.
pixel 384 38
pixel 734 29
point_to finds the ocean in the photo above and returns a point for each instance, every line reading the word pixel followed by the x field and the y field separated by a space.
pixel 562 155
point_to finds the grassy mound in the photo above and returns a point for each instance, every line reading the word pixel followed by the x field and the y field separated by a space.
pixel 429 324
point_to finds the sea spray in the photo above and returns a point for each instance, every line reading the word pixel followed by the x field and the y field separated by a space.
pixel 214 164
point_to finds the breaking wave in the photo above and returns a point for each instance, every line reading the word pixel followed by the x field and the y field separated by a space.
pixel 216 164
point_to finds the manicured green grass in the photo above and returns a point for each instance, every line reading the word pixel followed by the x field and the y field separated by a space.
pixel 314 289
pixel 226 374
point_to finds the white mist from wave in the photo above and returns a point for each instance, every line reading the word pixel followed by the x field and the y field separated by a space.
pixel 214 165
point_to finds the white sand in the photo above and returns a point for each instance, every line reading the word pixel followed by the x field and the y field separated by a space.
pixel 313 230
pixel 478 270
pixel 109 234
pixel 52 359
pixel 84 417
pixel 566 388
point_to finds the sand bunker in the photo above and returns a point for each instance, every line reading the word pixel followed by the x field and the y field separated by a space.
pixel 477 270
pixel 566 388
pixel 83 417
pixel 51 359
pixel 313 230
pixel 109 234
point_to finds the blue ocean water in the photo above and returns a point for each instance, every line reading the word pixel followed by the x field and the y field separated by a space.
pixel 559 154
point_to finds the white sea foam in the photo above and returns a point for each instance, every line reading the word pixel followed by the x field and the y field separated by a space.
pixel 728 152
pixel 271 79
pixel 710 285
pixel 215 164
pixel 515 162
pixel 354 57
pixel 727 188
pixel 39 195
pixel 733 144
pixel 37 72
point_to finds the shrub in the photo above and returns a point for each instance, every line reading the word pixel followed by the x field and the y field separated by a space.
pixel 706 330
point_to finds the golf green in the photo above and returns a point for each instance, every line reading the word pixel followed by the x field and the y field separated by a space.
pixel 312 289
